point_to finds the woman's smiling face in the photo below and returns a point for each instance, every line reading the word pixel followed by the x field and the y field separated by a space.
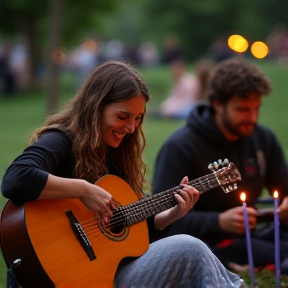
pixel 121 118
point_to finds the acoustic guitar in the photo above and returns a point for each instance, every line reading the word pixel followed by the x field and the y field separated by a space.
pixel 60 243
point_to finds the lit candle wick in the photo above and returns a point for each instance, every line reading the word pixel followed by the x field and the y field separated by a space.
pixel 243 197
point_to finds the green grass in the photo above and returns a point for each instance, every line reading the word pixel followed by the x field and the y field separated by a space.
pixel 22 113
pixel 265 279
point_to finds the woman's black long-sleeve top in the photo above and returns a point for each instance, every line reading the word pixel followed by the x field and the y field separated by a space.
pixel 26 177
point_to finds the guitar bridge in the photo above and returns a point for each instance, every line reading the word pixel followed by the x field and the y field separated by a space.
pixel 81 235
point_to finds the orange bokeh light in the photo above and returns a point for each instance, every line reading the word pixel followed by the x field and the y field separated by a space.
pixel 259 49
pixel 238 43
pixel 59 56
pixel 275 195
pixel 90 44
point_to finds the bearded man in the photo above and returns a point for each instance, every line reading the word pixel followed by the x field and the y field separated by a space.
pixel 228 128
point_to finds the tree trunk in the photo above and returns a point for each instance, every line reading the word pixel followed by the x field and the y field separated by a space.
pixel 29 29
pixel 53 81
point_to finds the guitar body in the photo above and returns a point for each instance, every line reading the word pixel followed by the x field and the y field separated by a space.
pixel 40 235
pixel 59 243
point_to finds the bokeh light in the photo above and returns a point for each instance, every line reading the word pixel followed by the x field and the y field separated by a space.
pixel 238 43
pixel 90 44
pixel 59 56
pixel 259 49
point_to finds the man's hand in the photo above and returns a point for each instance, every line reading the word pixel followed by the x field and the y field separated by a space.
pixel 232 220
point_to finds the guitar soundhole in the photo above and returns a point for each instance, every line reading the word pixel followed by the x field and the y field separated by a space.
pixel 117 224
pixel 115 229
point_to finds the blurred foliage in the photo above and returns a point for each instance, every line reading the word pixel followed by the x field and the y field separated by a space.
pixel 197 23
pixel 30 22
pixel 16 16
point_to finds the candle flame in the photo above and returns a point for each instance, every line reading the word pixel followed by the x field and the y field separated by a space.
pixel 275 194
pixel 243 197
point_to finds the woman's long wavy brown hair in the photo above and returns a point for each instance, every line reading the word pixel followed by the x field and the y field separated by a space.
pixel 113 81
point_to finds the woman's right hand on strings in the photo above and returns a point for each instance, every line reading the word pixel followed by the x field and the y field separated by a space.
pixel 98 201
pixel 95 198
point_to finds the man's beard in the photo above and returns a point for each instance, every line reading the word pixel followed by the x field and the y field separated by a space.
pixel 237 130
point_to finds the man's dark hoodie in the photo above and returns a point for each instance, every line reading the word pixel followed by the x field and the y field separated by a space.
pixel 188 152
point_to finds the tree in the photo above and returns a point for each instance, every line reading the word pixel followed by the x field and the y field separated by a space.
pixel 25 18
pixel 52 68
pixel 31 18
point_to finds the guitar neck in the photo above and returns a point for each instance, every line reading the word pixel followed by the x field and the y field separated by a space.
pixel 150 206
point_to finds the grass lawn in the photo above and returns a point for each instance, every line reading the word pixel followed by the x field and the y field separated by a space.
pixel 22 113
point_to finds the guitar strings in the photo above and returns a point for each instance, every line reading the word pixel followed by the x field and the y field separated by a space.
pixel 195 183
pixel 114 220
pixel 118 214
pixel 118 218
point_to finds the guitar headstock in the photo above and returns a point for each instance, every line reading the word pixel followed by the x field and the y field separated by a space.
pixel 227 176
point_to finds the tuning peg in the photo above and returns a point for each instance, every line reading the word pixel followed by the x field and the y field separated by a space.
pixel 215 165
pixel 225 162
pixel 211 167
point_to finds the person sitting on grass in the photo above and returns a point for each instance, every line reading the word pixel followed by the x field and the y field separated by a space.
pixel 227 127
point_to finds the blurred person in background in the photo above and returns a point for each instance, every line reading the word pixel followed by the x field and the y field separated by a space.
pixel 84 60
pixel 203 69
pixel 219 50
pixel 278 44
pixel 147 54
pixel 7 77
pixel 20 66
pixel 113 49
pixel 188 88
pixel 172 49
pixel 227 128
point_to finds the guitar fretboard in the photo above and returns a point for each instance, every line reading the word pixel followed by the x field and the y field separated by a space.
pixel 150 206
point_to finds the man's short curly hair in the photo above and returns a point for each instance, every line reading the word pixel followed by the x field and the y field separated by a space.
pixel 235 77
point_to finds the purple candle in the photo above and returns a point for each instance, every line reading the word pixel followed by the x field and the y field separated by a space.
pixel 277 240
pixel 248 240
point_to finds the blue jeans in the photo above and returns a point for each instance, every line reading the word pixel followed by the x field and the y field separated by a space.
pixel 176 261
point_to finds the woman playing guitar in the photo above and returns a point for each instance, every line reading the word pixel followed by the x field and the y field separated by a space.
pixel 75 232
